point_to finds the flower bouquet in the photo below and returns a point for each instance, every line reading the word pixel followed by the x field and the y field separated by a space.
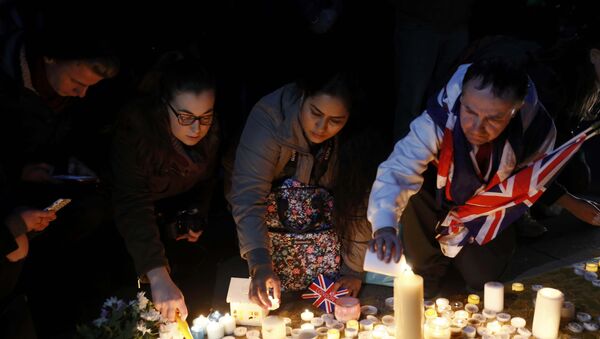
pixel 136 319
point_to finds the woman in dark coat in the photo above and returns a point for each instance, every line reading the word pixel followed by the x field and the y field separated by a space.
pixel 165 147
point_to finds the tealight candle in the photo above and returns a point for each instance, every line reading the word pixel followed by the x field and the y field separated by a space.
pixel 329 323
pixel 473 299
pixel 471 308
pixel 350 332
pixel 474 322
pixel 197 332
pixel 366 325
pixel 583 317
pixel 333 333
pixel 307 315
pixel 567 311
pixel 469 331
pixel 518 322
pixel 438 328
pixel 489 314
pixel 479 317
pixel 228 323
pixel 493 296
pixel 339 326
pixel 352 324
pixel 575 327
pixel 590 326
pixel 509 329
pixel 494 326
pixel 483 331
pixel 461 314
pixel 524 332
pixel 322 331
pixel 546 317
pixel 389 303
pixel 316 322
pixel 253 334
pixel 518 287
pixel 442 302
pixel 503 317
pixel 431 313
pixel 273 327
pixel 373 318
pixel 347 308
pixel 387 320
pixel 368 309
pixel 536 287
pixel 429 304
pixel 364 335
pixel 215 330
pixel 307 334
pixel 591 266
pixel 240 331
pixel 296 332
pixel 307 326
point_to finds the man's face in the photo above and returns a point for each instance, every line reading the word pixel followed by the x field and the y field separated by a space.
pixel 70 78
pixel 484 116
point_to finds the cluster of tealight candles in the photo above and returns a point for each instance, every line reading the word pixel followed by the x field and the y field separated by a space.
pixel 589 271
pixel 215 326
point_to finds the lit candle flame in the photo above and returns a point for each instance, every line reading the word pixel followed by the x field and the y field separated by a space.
pixel 404 267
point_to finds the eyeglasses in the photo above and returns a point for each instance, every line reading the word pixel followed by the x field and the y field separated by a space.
pixel 185 119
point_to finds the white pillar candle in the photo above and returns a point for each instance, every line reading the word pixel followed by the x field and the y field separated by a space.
pixel 408 303
pixel 307 315
pixel 273 327
pixel 201 322
pixel 546 317
pixel 215 330
pixel 438 328
pixel 493 296
pixel 228 323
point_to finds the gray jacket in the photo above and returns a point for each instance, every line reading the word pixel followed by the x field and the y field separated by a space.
pixel 271 136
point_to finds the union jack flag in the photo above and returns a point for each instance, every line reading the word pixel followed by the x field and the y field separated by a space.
pixel 321 291
pixel 502 202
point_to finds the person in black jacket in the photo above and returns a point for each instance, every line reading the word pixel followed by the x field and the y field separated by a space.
pixel 165 147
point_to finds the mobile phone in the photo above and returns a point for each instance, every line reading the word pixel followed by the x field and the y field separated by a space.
pixel 58 204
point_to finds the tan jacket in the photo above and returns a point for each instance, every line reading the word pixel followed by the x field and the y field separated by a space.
pixel 271 135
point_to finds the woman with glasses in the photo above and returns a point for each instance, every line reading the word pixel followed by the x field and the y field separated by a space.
pixel 164 159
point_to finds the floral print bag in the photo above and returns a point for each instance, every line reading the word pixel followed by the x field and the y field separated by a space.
pixel 303 241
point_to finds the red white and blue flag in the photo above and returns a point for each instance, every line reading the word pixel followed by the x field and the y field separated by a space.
pixel 503 201
pixel 321 290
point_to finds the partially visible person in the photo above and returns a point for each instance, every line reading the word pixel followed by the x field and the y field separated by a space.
pixel 165 150
pixel 300 184
pixel 41 76
pixel 484 125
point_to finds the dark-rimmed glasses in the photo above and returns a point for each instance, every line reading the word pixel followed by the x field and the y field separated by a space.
pixel 185 119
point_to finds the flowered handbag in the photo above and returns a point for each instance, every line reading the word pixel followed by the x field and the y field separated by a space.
pixel 303 242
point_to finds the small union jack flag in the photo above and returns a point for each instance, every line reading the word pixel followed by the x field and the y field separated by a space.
pixel 321 291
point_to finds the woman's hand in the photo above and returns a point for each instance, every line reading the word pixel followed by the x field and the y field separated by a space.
pixel 352 283
pixel 387 244
pixel 37 220
pixel 585 210
pixel 262 280
pixel 22 249
pixel 166 296
pixel 191 236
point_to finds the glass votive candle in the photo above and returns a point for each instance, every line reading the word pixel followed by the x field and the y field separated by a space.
pixel 322 331
pixel 316 322
pixel 366 325
pixel 429 304
pixel 333 333
pixel 431 313
pixel 518 322
pixel 473 299
pixel 352 324
pixel 469 332
pixel 471 308
pixel 457 305
pixel 489 315
pixel 461 314
pixel 387 320
pixel 347 308
pixel 524 332
pixel 503 318
pixel 438 328
pixel 350 332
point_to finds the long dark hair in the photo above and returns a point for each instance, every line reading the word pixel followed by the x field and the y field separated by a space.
pixel 359 146
pixel 146 119
pixel 584 95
